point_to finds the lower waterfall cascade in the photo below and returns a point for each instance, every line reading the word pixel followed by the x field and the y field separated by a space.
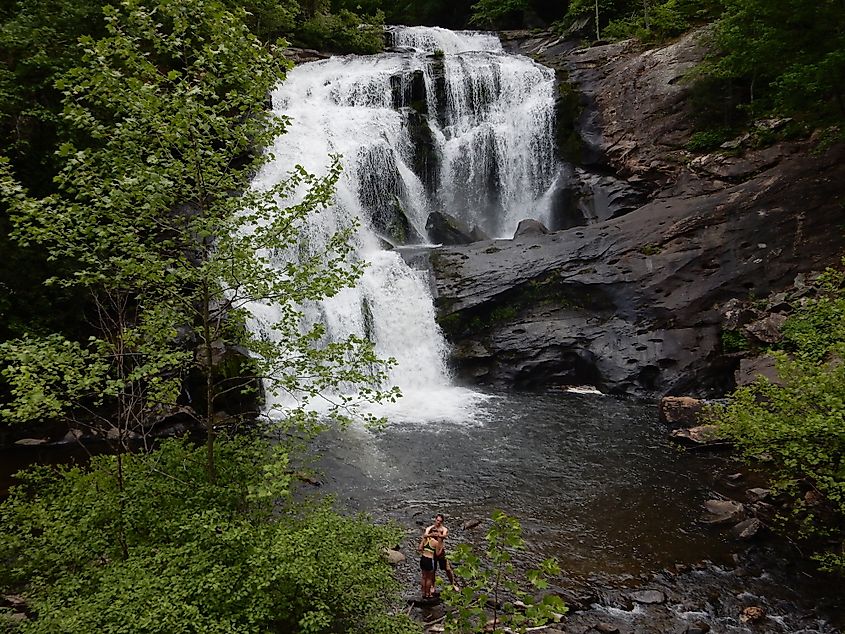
pixel 445 121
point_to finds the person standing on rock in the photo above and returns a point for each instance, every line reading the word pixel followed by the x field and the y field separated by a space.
pixel 428 550
pixel 438 532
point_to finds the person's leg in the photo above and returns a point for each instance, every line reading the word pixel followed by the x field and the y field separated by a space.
pixel 423 578
pixel 449 573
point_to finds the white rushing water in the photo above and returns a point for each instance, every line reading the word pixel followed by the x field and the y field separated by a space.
pixel 483 119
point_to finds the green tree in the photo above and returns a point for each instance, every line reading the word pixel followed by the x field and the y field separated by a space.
pixel 239 555
pixel 498 13
pixel 492 598
pixel 157 212
pixel 790 53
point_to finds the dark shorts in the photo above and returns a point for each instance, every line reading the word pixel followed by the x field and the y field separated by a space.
pixel 427 563
pixel 440 562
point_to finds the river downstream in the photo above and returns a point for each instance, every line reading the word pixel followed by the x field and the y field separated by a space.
pixel 595 484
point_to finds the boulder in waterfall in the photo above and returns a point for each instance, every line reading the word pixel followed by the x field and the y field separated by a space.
pixel 530 227
pixel 408 91
pixel 425 161
pixel 478 234
pixel 680 411
pixel 392 223
pixel 447 229
pixel 304 55
pixel 647 596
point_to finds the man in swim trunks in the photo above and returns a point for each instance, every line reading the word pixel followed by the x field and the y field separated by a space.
pixel 437 533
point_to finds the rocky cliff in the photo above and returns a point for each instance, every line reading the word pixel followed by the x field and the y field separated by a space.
pixel 629 299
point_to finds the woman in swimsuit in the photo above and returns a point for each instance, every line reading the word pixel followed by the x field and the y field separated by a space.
pixel 428 550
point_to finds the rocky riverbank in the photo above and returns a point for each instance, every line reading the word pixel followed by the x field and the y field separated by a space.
pixel 629 296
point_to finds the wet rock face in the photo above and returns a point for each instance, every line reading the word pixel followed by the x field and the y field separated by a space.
pixel 446 229
pixel 631 302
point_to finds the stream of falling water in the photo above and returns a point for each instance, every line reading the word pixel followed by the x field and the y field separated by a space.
pixel 445 122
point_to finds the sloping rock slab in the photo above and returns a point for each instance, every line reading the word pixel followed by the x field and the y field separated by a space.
pixel 630 305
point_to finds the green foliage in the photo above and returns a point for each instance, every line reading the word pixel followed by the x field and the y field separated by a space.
pixel 790 54
pixel 146 210
pixel 800 428
pixel 709 140
pixel 447 13
pixel 817 326
pixel 491 580
pixel 733 341
pixel 498 14
pixel 343 32
pixel 170 552
pixel 37 43
pixel 658 21
pixel 269 18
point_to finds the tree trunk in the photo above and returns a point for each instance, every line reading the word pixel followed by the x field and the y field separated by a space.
pixel 598 32
pixel 211 468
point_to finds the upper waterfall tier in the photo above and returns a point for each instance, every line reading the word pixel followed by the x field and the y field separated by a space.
pixel 469 132
pixel 432 39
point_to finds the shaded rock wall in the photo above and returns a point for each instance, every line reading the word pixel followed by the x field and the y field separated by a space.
pixel 630 303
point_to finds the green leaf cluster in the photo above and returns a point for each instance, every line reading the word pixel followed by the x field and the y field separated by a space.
pixel 498 13
pixel 790 56
pixel 491 580
pixel 799 428
pixel 344 32
pixel 155 207
pixel 171 552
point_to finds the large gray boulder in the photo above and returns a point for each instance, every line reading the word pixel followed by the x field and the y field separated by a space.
pixel 446 229
pixel 632 303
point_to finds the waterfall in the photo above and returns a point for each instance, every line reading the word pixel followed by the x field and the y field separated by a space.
pixel 445 122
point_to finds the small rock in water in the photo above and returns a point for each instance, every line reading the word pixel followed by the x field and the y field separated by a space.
pixel 734 477
pixel 678 411
pixel 758 494
pixel 699 627
pixel 470 524
pixel 647 596
pixel 30 442
pixel 696 436
pixel 606 628
pixel 722 512
pixel 751 614
pixel 747 529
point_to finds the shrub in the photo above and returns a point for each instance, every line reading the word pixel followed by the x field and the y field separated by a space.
pixel 159 549
pixel 799 427
pixel 343 32
pixel 491 581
